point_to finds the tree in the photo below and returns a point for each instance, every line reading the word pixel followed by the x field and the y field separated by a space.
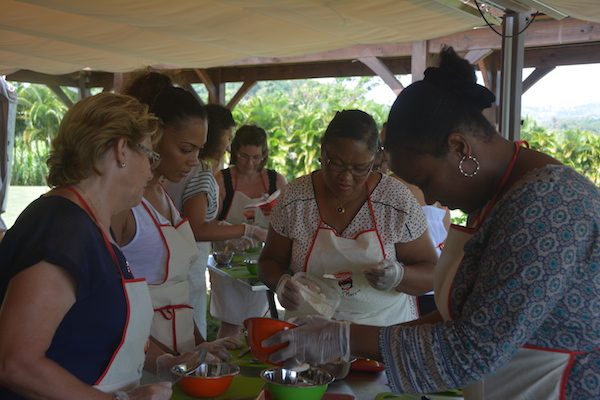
pixel 39 112
pixel 295 115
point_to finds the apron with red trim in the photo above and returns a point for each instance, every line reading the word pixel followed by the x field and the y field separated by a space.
pixel 532 373
pixel 237 214
pixel 345 258
pixel 173 323
pixel 125 368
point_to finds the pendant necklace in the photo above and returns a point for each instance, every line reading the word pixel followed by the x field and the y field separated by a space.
pixel 340 208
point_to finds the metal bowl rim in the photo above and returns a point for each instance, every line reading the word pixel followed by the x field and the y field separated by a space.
pixel 264 371
pixel 236 370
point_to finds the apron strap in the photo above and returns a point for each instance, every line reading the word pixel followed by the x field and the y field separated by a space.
pixel 169 313
pixel 482 213
pixel 162 236
pixel 104 237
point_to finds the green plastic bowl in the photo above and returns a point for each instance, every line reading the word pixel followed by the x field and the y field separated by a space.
pixel 285 384
pixel 252 266
pixel 255 249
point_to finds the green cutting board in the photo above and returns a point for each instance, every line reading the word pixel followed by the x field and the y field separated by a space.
pixel 447 395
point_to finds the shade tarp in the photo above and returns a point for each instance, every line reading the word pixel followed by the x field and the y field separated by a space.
pixel 63 36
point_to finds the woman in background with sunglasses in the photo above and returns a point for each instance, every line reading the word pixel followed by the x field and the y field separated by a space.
pixel 363 230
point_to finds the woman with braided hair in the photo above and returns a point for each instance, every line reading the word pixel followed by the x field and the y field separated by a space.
pixel 516 290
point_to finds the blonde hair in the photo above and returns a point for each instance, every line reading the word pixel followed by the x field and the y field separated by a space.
pixel 90 128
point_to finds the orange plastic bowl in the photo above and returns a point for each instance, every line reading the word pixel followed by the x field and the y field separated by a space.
pixel 209 380
pixel 261 328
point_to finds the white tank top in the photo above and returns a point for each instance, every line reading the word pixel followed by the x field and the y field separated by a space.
pixel 147 249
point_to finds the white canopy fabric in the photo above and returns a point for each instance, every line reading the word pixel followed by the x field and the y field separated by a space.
pixel 64 36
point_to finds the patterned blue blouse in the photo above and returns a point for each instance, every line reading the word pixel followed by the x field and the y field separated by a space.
pixel 530 277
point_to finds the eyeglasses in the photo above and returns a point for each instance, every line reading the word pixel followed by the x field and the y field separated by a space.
pixel 357 172
pixel 257 158
pixel 380 159
pixel 153 157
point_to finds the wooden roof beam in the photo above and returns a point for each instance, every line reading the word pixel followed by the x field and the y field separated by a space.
pixel 380 69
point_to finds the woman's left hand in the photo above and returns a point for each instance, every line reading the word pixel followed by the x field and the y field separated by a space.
pixel 386 275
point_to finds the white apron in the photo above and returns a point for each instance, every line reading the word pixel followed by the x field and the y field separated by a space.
pixel 345 258
pixel 237 214
pixel 125 368
pixel 532 373
pixel 197 281
pixel 173 323
pixel 231 301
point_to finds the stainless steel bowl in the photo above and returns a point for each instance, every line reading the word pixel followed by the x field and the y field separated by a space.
pixel 223 258
pixel 339 369
pixel 288 377
pixel 208 370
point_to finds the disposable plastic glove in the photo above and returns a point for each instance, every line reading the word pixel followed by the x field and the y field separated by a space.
pixel 165 362
pixel 219 347
pixel 386 275
pixel 236 245
pixel 155 391
pixel 255 232
pixel 316 341
pixel 288 293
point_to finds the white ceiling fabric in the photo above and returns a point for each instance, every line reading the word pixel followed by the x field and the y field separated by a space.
pixel 64 36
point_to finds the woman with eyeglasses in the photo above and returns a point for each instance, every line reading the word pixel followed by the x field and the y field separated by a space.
pixel 74 321
pixel 517 289
pixel 363 230
pixel 157 241
pixel 246 181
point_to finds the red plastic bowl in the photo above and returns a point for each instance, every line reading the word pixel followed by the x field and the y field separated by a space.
pixel 210 380
pixel 261 328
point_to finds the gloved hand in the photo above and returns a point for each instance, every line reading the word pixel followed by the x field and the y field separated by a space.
pixel 219 347
pixel 288 293
pixel 386 275
pixel 165 362
pixel 154 391
pixel 255 232
pixel 316 340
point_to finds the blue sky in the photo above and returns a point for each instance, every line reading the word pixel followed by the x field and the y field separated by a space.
pixel 563 87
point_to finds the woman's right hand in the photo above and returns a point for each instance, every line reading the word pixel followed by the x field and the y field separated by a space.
pixel 154 391
pixel 288 293
pixel 255 232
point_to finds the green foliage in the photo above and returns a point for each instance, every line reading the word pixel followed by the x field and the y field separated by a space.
pixel 576 148
pixel 295 115
pixel 39 112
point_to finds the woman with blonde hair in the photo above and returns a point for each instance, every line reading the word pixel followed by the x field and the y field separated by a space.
pixel 74 322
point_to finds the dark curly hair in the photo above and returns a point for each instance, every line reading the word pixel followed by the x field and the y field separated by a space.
pixel 447 100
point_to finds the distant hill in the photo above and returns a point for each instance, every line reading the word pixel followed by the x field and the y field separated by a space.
pixel 583 117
